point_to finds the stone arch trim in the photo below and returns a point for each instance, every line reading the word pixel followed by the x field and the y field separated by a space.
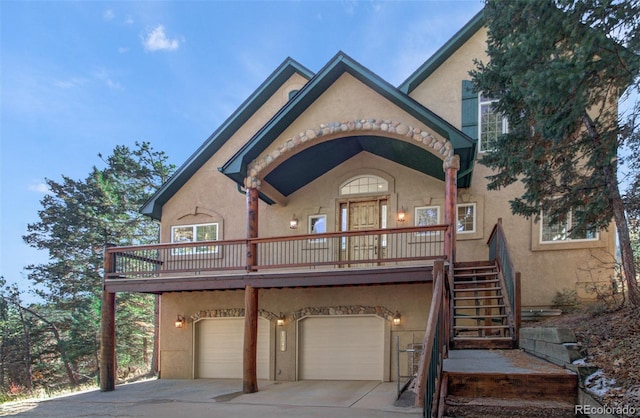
pixel 379 311
pixel 442 148
pixel 229 313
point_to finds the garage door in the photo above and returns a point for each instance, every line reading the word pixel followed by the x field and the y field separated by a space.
pixel 219 346
pixel 341 348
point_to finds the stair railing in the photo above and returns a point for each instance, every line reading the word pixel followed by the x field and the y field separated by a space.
pixel 435 344
pixel 510 278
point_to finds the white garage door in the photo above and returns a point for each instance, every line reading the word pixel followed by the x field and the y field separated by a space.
pixel 219 346
pixel 341 348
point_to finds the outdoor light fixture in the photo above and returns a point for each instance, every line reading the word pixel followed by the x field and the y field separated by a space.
pixel 396 318
pixel 280 320
pixel 180 321
pixel 401 215
pixel 293 223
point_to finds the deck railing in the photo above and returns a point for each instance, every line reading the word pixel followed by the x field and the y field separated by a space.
pixel 436 342
pixel 380 247
pixel 499 252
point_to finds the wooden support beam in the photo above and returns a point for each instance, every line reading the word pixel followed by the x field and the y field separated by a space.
pixel 249 372
pixel 252 227
pixel 108 331
pixel 250 350
pixel 451 167
pixel 108 343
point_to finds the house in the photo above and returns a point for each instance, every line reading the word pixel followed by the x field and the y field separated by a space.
pixel 299 241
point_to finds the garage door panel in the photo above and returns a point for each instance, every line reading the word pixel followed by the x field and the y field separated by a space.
pixel 220 343
pixel 341 348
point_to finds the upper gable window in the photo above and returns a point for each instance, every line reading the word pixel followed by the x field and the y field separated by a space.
pixel 365 184
pixel 491 124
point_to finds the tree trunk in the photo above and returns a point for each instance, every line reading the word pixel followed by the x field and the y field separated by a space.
pixel 27 348
pixel 624 238
pixel 60 343
pixel 611 185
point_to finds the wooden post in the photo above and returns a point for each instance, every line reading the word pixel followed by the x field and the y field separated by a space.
pixel 252 228
pixel 249 373
pixel 250 350
pixel 517 308
pixel 451 167
pixel 108 336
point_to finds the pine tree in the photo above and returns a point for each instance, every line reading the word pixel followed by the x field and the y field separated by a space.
pixel 558 69
pixel 78 218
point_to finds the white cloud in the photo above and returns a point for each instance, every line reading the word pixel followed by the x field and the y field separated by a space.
pixel 123 50
pixel 39 188
pixel 128 20
pixel 108 15
pixel 156 40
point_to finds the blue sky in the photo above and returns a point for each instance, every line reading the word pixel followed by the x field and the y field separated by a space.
pixel 78 78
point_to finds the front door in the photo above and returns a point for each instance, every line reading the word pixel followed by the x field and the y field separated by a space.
pixel 362 215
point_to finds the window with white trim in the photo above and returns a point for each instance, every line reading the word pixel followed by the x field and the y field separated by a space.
pixel 427 215
pixel 466 218
pixel 194 233
pixel 491 124
pixel 563 230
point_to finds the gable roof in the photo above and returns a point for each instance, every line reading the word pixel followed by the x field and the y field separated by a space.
pixel 341 63
pixel 289 67
pixel 442 54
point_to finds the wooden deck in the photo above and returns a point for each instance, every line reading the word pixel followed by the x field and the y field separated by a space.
pixel 299 277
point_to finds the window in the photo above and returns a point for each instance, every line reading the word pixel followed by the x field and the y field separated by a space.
pixel 364 184
pixel 466 218
pixel 427 215
pixel 317 225
pixel 194 233
pixel 563 230
pixel 491 124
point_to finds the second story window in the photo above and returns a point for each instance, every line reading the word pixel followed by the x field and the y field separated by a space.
pixel 564 230
pixel 491 124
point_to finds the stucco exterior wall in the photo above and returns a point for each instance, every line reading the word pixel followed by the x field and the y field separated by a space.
pixel 209 196
pixel 177 344
pixel 545 268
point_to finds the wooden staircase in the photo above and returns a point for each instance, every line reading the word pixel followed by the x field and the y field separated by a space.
pixel 484 375
pixel 482 319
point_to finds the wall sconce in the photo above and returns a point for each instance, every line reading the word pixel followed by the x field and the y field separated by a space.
pixel 401 215
pixel 280 320
pixel 180 321
pixel 396 318
pixel 293 223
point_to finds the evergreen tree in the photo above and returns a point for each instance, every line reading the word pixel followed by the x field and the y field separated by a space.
pixel 78 218
pixel 558 69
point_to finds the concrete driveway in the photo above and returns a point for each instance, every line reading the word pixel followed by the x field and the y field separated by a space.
pixel 221 398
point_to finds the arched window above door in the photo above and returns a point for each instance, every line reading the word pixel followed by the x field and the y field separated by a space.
pixel 364 185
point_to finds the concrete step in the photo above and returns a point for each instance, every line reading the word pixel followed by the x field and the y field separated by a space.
pixel 508 374
pixel 459 406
